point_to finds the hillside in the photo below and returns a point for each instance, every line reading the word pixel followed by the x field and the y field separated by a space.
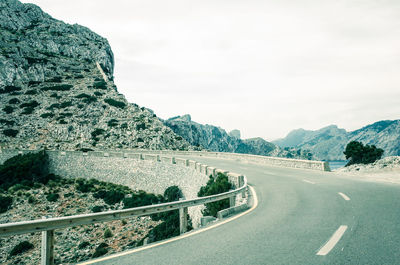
pixel 57 89
pixel 216 139
pixel 329 143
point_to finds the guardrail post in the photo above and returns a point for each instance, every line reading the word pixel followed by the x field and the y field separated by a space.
pixel 232 201
pixel 183 212
pixel 47 251
pixel 158 158
pixel 186 162
pixel 241 183
pixel 141 156
pixel 173 160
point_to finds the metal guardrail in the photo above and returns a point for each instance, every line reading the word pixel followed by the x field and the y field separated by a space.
pixel 47 226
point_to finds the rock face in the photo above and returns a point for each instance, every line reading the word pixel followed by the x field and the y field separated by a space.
pixel 216 139
pixel 329 143
pixel 57 89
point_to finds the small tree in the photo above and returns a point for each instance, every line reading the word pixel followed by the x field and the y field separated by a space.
pixel 360 154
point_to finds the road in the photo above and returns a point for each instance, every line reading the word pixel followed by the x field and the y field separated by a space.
pixel 295 222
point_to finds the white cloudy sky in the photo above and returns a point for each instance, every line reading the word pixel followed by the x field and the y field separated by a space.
pixel 262 66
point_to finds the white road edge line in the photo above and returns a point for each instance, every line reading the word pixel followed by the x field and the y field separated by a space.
pixel 344 196
pixel 255 203
pixel 308 181
pixel 332 241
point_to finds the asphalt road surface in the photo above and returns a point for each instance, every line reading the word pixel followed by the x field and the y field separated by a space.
pixel 303 217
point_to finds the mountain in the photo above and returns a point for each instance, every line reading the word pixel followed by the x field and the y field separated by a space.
pixel 217 139
pixel 57 89
pixel 329 143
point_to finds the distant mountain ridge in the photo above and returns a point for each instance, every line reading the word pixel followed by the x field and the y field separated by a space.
pixel 329 142
pixel 217 139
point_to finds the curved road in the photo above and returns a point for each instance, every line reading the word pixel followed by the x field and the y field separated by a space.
pixel 298 213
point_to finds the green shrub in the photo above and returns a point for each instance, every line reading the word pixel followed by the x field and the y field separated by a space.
pixel 97 209
pixel 83 245
pixel 112 123
pixel 8 109
pixel 31 199
pixel 47 115
pixel 87 98
pixel 31 92
pixel 10 132
pixel 100 250
pixel 170 225
pixel 214 186
pixel 34 83
pixel 100 85
pixel 31 167
pixel 14 101
pixel 55 95
pixel 52 197
pixel 52 106
pixel 83 186
pixel 124 125
pixel 7 122
pixel 141 198
pixel 56 79
pixel 97 132
pixel 9 89
pixel 108 233
pixel 32 104
pixel 62 87
pixel 65 104
pixel 21 248
pixel 115 103
pixel 113 197
pixel 5 203
pixel 28 110
pixel 357 153
pixel 97 93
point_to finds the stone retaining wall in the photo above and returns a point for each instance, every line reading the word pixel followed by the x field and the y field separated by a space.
pixel 149 172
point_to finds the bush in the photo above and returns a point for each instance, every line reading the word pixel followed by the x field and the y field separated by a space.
pixel 142 198
pixel 31 92
pixel 13 101
pixel 357 153
pixel 170 225
pixel 21 248
pixel 83 244
pixel 108 233
pixel 7 122
pixel 52 197
pixel 10 132
pixel 5 203
pixel 28 110
pixel 8 109
pixel 32 104
pixel 9 89
pixel 31 167
pixel 214 186
pixel 100 250
pixel 100 84
pixel 112 123
pixel 66 104
pixel 115 103
pixel 47 115
pixel 62 87
pixel 97 209
pixel 97 132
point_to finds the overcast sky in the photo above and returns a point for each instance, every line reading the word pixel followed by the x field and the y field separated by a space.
pixel 264 67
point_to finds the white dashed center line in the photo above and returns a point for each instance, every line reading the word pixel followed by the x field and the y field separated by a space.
pixel 332 241
pixel 308 181
pixel 344 196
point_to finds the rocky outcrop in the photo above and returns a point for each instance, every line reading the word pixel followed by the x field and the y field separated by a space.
pixel 217 139
pixel 329 143
pixel 57 89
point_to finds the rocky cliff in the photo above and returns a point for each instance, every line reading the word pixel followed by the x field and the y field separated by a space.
pixel 329 143
pixel 217 139
pixel 57 89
